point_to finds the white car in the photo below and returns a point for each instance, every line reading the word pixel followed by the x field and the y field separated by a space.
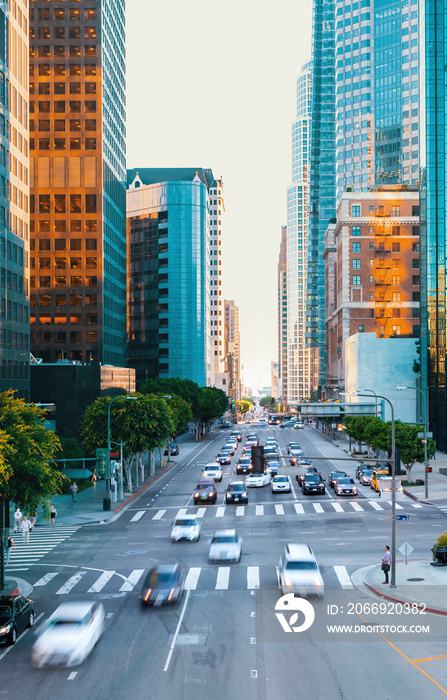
pixel 298 426
pixel 213 471
pixel 69 634
pixel 225 545
pixel 186 528
pixel 298 571
pixel 281 483
pixel 258 480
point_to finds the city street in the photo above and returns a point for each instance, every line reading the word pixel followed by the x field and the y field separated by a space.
pixel 222 640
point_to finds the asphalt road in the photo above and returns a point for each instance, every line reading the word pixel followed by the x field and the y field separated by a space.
pixel 222 640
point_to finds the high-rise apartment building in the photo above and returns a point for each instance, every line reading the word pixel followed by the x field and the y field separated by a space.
pixel 298 354
pixel 14 199
pixel 282 314
pixel 322 179
pixel 168 241
pixel 78 176
pixel 377 94
pixel 373 272
pixel 218 376
pixel 233 349
pixel 433 36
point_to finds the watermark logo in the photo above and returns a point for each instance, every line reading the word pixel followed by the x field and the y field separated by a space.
pixel 289 603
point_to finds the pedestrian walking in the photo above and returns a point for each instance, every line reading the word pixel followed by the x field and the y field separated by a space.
pixel 33 519
pixel 25 527
pixel 17 520
pixel 9 546
pixel 386 566
pixel 74 490
pixel 53 513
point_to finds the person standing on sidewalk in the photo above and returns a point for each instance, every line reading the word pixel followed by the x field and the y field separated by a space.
pixel 74 490
pixel 53 513
pixel 17 520
pixel 386 563
pixel 25 527
pixel 9 546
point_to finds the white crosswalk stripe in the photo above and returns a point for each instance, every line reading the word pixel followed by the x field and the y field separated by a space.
pixel 356 506
pixel 137 516
pixel 279 509
pixel 71 583
pixel 252 577
pixel 416 505
pixel 181 514
pixel 223 578
pixel 201 512
pixel 375 505
pixel 299 508
pixel 337 507
pixel 192 578
pixel 132 580
pixel 240 510
pixel 259 510
pixel 41 541
pixel 343 576
pixel 318 508
pixel 101 582
pixel 220 512
pixel 45 579
pixel 399 507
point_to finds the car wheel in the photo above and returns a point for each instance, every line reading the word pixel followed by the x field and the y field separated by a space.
pixel 31 619
pixel 13 636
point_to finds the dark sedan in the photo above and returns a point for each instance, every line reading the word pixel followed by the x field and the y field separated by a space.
pixel 333 476
pixel 300 477
pixel 313 483
pixel 272 466
pixel 163 584
pixel 244 465
pixel 174 449
pixel 236 492
pixel 16 613
pixel 223 458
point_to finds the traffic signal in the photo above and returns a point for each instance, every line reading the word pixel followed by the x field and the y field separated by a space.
pixel 101 461
pixel 429 470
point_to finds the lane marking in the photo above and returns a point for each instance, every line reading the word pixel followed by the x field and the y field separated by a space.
pixel 220 512
pixel 343 576
pixel 223 578
pixel 71 583
pixel 101 582
pixel 131 580
pixel 137 516
pixel 192 578
pixel 299 508
pixel 174 639
pixel 252 577
pixel 337 507
pixel 318 508
pixel 279 509
pixel 259 510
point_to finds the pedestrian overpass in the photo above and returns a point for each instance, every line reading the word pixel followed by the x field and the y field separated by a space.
pixel 325 410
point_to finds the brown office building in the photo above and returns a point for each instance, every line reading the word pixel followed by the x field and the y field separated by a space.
pixel 77 178
pixel 372 271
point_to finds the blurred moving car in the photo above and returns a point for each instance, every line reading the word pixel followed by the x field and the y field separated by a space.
pixel 69 635
pixel 298 426
pixel 333 476
pixel 365 477
pixel 293 445
pixel 298 571
pixel 205 492
pixel 258 480
pixel 223 458
pixel 295 455
pixel 225 545
pixel 281 483
pixel 16 613
pixel 236 492
pixel 272 466
pixel 345 486
pixel 313 483
pixel 185 529
pixel 212 471
pixel 303 474
pixel 174 449
pixel 358 470
pixel 163 584
pixel 237 434
pixel 229 447
pixel 244 465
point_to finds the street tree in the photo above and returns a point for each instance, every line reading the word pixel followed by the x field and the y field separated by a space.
pixel 27 451
pixel 142 425
pixel 411 446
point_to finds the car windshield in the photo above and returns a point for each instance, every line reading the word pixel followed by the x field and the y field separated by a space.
pixel 367 472
pixel 312 477
pixel 337 475
pixel 5 611
pixel 204 487
pixel 244 460
pixel 224 539
pixel 213 467
pixel 236 487
pixel 185 523
pixel 280 478
pixel 163 577
pixel 346 481
pixel 301 565
pixel 65 623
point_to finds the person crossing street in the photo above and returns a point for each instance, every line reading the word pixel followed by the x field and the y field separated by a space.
pixel 74 490
pixel 26 527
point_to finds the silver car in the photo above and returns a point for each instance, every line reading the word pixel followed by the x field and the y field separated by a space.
pixel 225 545
pixel 298 571
pixel 281 483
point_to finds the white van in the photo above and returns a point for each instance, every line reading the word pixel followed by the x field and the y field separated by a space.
pixel 212 470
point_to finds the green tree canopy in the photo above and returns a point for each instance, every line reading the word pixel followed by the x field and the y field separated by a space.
pixel 185 388
pixel 142 425
pixel 27 451
pixel 180 410
pixel 212 403
pixel 267 402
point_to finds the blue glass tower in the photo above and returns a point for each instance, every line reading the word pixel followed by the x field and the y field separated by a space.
pixel 169 273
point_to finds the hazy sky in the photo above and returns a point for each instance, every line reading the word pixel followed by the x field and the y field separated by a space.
pixel 212 84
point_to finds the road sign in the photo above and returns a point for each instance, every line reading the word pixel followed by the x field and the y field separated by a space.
pixel 402 517
pixel 422 435
pixel 406 549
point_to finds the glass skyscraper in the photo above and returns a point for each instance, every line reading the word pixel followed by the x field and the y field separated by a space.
pixel 322 179
pixel 14 199
pixel 168 260
pixel 78 181
pixel 297 383
pixel 433 37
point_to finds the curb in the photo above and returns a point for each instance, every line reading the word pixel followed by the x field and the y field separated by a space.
pixel 143 488
pixel 380 594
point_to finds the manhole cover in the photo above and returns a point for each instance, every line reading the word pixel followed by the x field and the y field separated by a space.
pixel 415 579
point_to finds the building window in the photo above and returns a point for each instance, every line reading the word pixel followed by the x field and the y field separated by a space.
pixel 415 210
pixel 356 247
pixel 416 296
pixel 356 230
pixel 415 263
pixel 396 330
pixel 415 248
pixel 361 329
pixel 396 296
pixel 356 279
pixel 416 280
pixel 355 210
pixel 416 313
pixel 395 211
pixel 356 264
pixel 395 246
pixel 396 280
pixel 371 313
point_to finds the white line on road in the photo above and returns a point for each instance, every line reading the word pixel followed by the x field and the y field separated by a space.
pixel 343 576
pixel 252 577
pixel 192 578
pixel 137 516
pixel 131 580
pixel 399 507
pixel 174 639
pixel 201 512
pixel 337 507
pixel 159 514
pixel 416 505
pixel 181 513
pixel 101 582
pixel 356 506
pixel 318 508
pixel 279 510
pixel 375 505
pixel 299 508
pixel 45 579
pixel 259 510
pixel 72 676
pixel 240 510
pixel 220 512
pixel 223 578
pixel 293 489
pixel 71 583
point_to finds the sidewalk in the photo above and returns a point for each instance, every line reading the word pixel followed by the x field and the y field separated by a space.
pixel 437 482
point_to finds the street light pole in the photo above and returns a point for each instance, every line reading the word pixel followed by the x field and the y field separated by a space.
pixel 375 403
pixel 393 491
pixel 424 396
pixel 107 500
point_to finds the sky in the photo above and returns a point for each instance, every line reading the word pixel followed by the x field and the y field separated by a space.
pixel 213 85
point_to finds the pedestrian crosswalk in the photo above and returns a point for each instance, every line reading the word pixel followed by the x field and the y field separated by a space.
pixel 42 540
pixel 199 578
pixel 272 509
